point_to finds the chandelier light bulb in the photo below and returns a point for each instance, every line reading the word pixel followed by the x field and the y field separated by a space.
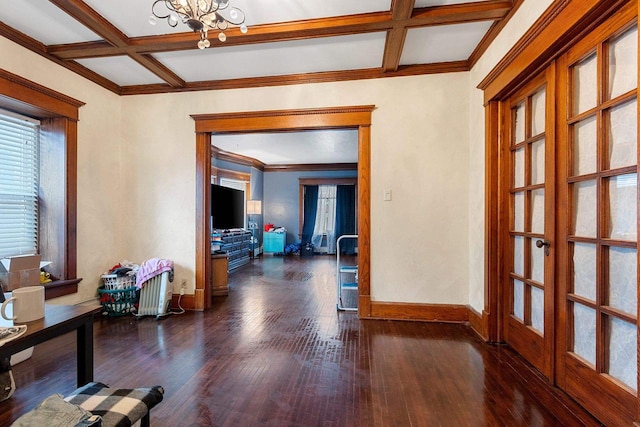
pixel 200 16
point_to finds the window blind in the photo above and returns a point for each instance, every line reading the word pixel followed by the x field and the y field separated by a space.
pixel 238 185
pixel 19 181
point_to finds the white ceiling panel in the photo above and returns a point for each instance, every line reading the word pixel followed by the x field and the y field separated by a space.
pixel 121 70
pixel 272 11
pixel 135 22
pixel 282 58
pixel 429 3
pixel 43 21
pixel 331 146
pixel 442 43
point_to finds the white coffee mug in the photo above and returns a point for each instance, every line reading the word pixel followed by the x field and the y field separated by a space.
pixel 28 304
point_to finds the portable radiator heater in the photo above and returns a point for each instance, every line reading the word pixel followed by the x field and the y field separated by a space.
pixel 155 296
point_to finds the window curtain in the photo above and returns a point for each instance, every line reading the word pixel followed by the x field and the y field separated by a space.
pixel 325 219
pixel 310 208
pixel 346 217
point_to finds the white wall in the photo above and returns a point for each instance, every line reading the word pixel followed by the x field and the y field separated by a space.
pixel 526 15
pixel 100 209
pixel 419 150
pixel 136 175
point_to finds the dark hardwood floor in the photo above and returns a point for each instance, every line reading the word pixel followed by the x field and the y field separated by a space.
pixel 276 353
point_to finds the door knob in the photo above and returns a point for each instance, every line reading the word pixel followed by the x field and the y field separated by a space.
pixel 544 243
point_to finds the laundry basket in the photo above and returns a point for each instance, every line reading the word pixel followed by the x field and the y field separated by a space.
pixel 119 295
pixel 113 281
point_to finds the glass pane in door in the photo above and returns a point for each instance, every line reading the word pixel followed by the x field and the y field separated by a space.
pixel 584 209
pixel 585 85
pixel 537 162
pixel 623 351
pixel 584 332
pixel 537 263
pixel 537 211
pixel 623 274
pixel 584 147
pixel 518 299
pixel 623 203
pixel 584 270
pixel 518 255
pixel 623 57
pixel 623 131
pixel 537 309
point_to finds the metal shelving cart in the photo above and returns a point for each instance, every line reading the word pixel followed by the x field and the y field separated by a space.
pixel 347 276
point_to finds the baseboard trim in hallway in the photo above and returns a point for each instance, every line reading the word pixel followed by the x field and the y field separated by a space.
pixel 446 313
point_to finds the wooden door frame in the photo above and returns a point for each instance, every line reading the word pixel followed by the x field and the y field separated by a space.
pixel 559 27
pixel 353 117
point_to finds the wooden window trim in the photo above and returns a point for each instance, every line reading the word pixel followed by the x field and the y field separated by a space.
pixel 238 176
pixel 59 116
pixel 318 181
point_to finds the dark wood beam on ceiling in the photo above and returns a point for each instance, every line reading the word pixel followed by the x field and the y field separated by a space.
pixel 459 13
pixel 296 30
pixel 112 35
pixel 401 11
pixel 292 79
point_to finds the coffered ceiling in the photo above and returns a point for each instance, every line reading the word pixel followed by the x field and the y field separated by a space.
pixel 289 41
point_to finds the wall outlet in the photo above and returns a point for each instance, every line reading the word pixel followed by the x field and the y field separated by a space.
pixel 183 286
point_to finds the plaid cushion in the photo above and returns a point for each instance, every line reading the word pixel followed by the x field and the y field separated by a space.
pixel 118 407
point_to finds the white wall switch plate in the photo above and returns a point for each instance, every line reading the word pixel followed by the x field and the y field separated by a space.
pixel 387 195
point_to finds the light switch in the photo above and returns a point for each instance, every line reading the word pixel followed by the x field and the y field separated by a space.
pixel 387 195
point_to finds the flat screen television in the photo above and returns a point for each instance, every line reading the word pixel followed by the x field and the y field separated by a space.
pixel 227 208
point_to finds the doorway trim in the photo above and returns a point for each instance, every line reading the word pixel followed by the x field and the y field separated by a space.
pixel 351 117
pixel 562 24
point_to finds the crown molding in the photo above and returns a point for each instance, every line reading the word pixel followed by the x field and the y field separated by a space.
pixel 309 167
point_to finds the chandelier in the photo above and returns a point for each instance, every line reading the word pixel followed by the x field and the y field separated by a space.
pixel 201 16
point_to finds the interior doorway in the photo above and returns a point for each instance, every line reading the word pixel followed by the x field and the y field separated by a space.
pixel 354 117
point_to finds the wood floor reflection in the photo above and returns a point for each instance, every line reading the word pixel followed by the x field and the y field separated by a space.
pixel 276 353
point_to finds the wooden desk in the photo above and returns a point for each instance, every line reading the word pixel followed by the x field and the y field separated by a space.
pixel 59 320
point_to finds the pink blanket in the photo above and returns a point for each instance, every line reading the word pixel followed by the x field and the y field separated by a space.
pixel 151 268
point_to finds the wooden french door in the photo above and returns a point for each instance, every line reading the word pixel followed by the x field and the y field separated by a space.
pixel 569 176
pixel 528 296
pixel 597 343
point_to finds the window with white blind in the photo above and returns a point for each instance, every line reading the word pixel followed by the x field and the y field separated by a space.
pixel 19 182
pixel 238 185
